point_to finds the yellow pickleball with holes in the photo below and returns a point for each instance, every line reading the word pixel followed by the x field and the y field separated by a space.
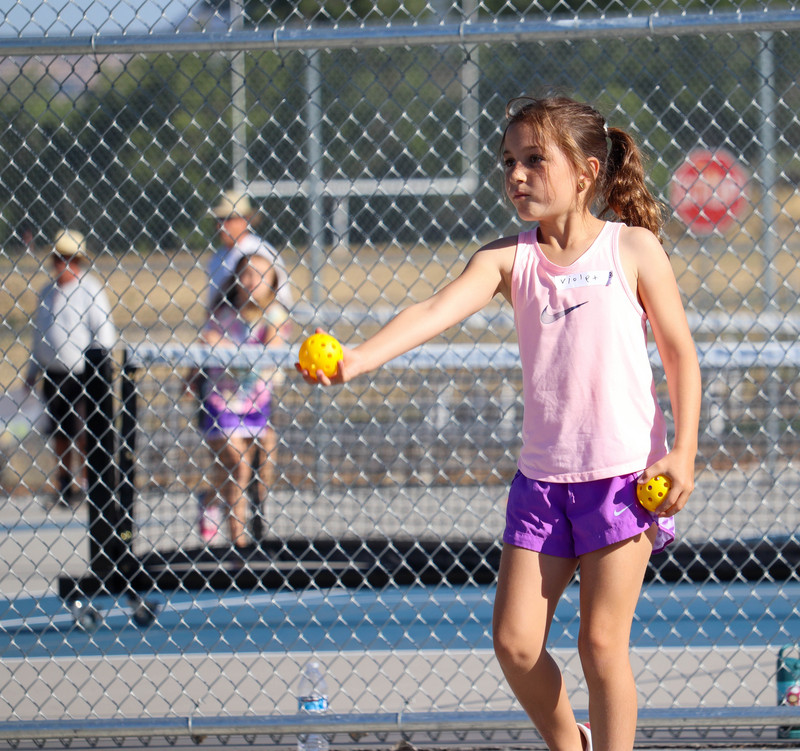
pixel 652 493
pixel 320 352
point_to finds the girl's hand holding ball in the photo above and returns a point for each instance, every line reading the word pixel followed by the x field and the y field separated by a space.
pixel 652 493
pixel 320 352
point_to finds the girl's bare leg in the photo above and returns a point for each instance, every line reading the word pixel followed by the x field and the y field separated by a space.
pixel 234 463
pixel 611 580
pixel 266 472
pixel 529 587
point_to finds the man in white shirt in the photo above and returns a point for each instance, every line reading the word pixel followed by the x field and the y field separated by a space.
pixel 73 317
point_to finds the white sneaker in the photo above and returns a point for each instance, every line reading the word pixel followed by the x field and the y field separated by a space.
pixel 586 736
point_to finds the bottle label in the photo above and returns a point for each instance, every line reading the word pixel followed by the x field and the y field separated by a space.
pixel 313 703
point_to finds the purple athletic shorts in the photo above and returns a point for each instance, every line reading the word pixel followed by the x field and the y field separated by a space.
pixel 223 423
pixel 568 519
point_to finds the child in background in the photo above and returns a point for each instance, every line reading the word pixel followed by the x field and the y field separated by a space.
pixel 237 401
pixel 583 290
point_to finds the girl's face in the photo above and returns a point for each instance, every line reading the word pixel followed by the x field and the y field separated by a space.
pixel 539 180
pixel 257 279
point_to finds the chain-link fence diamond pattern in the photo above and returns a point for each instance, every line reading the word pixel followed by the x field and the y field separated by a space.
pixel 365 136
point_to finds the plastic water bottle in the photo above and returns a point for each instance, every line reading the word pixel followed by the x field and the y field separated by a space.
pixel 312 698
pixel 789 685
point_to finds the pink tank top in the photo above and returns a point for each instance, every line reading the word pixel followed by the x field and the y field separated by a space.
pixel 590 404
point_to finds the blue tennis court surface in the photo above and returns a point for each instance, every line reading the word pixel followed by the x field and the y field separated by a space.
pixel 737 614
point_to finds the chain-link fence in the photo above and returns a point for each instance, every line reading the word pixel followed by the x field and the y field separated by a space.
pixel 364 138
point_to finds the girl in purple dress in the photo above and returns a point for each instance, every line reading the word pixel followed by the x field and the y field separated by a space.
pixel 237 400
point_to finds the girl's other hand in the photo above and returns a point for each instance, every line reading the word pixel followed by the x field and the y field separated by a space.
pixel 681 474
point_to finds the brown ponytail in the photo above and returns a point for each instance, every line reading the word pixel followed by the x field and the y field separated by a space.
pixel 622 185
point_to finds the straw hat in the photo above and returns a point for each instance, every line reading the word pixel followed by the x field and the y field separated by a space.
pixel 70 243
pixel 233 203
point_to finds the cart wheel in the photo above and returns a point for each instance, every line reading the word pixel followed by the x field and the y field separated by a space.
pixel 144 612
pixel 85 614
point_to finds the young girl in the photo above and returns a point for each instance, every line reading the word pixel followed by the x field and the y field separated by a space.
pixel 237 401
pixel 582 290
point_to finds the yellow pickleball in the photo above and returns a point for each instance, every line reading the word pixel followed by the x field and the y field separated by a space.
pixel 320 352
pixel 652 493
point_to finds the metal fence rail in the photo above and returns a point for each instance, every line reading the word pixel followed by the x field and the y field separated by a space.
pixel 466 32
pixel 364 137
pixel 491 725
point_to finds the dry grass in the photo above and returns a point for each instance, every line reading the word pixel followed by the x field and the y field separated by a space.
pixel 160 297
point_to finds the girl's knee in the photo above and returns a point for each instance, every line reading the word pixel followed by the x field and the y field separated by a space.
pixel 242 473
pixel 516 653
pixel 601 649
pixel 227 459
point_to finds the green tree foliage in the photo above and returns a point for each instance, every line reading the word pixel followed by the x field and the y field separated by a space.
pixel 158 136
pixel 333 11
pixel 140 153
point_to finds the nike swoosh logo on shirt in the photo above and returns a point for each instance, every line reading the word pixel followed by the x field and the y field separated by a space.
pixel 548 317
pixel 620 511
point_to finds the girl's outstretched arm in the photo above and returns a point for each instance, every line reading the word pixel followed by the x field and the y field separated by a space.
pixel 658 291
pixel 483 277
